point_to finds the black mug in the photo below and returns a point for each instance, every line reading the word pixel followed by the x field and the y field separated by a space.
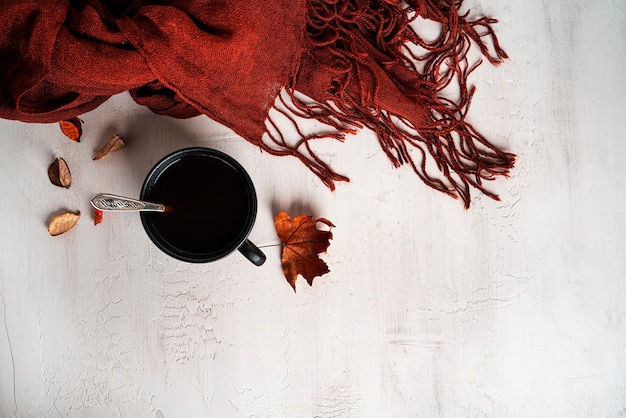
pixel 210 202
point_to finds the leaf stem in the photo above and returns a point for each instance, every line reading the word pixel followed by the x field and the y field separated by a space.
pixel 270 245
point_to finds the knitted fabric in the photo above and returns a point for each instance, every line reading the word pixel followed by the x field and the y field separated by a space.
pixel 346 64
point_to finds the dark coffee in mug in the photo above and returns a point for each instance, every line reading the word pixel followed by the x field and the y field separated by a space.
pixel 206 204
pixel 211 206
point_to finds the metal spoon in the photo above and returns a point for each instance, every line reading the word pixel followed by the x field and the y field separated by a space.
pixel 111 202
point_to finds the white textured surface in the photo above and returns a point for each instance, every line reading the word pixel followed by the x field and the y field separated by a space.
pixel 510 309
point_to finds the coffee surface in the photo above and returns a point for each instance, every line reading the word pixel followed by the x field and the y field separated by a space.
pixel 207 203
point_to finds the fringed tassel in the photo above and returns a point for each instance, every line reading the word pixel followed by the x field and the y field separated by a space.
pixel 291 140
pixel 366 65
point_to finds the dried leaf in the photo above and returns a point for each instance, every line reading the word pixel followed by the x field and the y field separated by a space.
pixel 97 216
pixel 302 242
pixel 72 128
pixel 62 223
pixel 59 173
pixel 116 142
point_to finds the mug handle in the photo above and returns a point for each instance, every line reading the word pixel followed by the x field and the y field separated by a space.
pixel 252 253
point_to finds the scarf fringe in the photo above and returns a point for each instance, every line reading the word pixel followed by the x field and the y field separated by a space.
pixel 443 149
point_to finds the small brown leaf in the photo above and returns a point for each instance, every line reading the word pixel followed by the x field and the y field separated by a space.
pixel 72 128
pixel 116 142
pixel 97 216
pixel 62 223
pixel 59 173
pixel 302 242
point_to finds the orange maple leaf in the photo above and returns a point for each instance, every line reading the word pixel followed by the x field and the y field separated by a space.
pixel 301 244
pixel 72 128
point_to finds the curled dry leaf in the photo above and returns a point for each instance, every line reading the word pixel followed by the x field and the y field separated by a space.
pixel 116 142
pixel 302 242
pixel 62 223
pixel 72 128
pixel 97 216
pixel 59 173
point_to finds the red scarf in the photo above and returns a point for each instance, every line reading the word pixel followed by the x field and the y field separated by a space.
pixel 347 63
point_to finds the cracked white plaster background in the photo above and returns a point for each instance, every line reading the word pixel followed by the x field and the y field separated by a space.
pixel 510 309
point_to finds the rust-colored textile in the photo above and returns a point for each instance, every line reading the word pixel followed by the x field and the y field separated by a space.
pixel 346 63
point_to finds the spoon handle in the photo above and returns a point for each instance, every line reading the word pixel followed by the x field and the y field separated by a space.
pixel 111 202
